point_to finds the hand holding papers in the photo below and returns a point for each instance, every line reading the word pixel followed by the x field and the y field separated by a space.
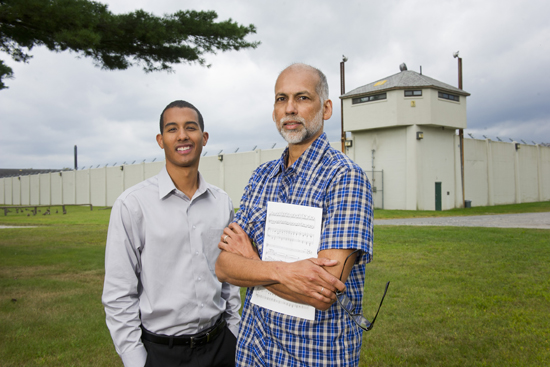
pixel 292 233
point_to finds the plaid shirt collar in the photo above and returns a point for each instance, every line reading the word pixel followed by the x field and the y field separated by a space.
pixel 310 158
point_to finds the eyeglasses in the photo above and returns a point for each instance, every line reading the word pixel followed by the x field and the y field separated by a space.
pixel 345 303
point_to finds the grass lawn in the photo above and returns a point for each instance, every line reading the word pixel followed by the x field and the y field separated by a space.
pixel 458 296
pixel 543 206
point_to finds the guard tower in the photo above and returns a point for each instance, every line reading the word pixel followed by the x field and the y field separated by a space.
pixel 403 134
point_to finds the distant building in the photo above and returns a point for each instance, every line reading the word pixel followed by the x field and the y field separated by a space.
pixel 12 172
pixel 405 125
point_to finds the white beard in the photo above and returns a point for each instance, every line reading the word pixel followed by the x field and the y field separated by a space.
pixel 308 129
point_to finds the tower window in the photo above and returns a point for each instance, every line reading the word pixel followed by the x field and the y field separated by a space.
pixel 375 97
pixel 448 96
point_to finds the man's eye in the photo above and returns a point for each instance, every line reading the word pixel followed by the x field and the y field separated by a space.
pixel 280 99
pixel 303 98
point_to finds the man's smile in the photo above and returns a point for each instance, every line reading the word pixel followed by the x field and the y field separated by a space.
pixel 183 149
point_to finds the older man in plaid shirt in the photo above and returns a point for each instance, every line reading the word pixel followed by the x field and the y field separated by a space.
pixel 309 173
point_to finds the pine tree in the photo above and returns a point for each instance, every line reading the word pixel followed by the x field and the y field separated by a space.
pixel 114 41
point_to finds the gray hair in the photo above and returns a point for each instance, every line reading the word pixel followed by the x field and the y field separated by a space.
pixel 322 85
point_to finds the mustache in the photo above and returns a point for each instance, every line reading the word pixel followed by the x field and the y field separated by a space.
pixel 293 118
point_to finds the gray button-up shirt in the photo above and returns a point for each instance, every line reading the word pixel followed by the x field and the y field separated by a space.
pixel 160 264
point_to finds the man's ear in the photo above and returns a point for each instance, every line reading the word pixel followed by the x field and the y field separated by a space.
pixel 327 109
pixel 159 141
pixel 204 138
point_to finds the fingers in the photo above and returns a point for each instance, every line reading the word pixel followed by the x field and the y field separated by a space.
pixel 223 246
pixel 307 278
pixel 234 227
pixel 226 232
pixel 322 261
pixel 333 283
pixel 324 295
pixel 327 296
pixel 233 231
pixel 236 241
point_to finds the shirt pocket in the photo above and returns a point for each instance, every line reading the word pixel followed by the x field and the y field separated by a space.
pixel 210 239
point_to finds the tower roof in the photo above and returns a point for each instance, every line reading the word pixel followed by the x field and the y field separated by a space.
pixel 404 80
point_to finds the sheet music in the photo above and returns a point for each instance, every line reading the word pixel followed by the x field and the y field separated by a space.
pixel 292 233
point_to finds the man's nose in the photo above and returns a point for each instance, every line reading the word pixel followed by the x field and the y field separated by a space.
pixel 182 134
pixel 291 107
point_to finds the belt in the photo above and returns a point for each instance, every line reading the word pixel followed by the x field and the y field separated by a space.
pixel 191 340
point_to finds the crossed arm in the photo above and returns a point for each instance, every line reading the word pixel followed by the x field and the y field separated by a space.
pixel 313 281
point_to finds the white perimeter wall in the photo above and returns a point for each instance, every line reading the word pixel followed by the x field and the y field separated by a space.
pixel 495 173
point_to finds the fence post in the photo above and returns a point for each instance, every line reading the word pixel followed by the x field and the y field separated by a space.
pixel 490 178
pixel 516 173
pixel 539 172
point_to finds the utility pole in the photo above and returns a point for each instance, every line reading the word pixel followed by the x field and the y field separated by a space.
pixel 75 159
pixel 461 131
pixel 342 91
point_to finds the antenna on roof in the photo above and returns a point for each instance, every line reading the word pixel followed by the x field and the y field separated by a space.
pixel 403 67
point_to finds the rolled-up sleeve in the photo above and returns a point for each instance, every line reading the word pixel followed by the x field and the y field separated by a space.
pixel 348 220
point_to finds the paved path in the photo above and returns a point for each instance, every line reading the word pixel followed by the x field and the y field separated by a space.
pixel 525 220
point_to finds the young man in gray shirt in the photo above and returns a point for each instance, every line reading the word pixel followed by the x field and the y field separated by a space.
pixel 163 301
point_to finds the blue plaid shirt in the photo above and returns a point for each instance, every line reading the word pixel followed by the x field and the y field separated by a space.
pixel 325 178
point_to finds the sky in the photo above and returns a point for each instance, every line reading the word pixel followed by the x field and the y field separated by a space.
pixel 58 100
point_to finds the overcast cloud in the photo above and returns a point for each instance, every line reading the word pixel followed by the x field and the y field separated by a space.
pixel 58 101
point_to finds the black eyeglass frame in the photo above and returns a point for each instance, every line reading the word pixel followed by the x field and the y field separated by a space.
pixel 342 299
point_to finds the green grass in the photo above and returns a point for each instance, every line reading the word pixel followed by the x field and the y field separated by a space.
pixel 537 207
pixel 458 296
pixel 474 297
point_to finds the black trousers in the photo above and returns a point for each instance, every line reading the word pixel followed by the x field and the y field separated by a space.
pixel 220 352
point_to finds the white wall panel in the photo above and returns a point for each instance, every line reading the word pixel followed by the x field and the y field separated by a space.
pixel 69 187
pixel 98 186
pixel 82 186
pixel 25 190
pixel 34 189
pixel 114 184
pixel 56 188
pixel 45 188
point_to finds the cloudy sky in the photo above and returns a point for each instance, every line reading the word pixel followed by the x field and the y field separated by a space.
pixel 58 100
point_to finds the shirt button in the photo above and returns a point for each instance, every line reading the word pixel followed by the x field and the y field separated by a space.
pixel 194 227
pixel 196 252
pixel 202 304
pixel 199 278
